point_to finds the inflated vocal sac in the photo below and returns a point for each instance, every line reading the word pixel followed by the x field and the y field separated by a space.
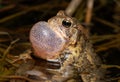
pixel 46 43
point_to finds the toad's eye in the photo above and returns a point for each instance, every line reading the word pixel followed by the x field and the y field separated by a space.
pixel 66 23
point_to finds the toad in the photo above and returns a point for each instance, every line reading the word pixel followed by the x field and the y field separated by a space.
pixel 50 39
pixel 62 37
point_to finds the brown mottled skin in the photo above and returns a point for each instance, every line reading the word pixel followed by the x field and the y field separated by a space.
pixel 63 38
pixel 50 38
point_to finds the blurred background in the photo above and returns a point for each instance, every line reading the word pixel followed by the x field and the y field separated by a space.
pixel 18 16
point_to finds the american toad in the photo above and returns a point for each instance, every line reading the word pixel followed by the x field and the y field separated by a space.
pixel 50 39
pixel 63 38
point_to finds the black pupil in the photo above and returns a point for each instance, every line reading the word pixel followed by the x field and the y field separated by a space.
pixel 66 23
